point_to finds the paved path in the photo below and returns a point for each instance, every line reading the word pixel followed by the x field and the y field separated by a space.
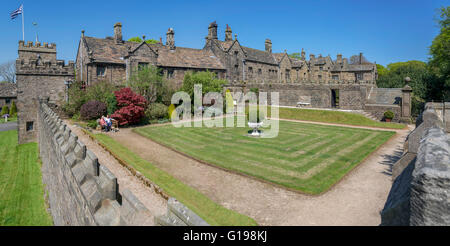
pixel 153 201
pixel 356 200
pixel 8 126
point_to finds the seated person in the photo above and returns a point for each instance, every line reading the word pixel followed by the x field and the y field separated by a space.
pixel 108 123
pixel 103 122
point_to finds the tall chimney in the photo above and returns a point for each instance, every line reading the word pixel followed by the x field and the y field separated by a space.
pixel 360 58
pixel 118 32
pixel 212 30
pixel 170 40
pixel 339 58
pixel 268 44
pixel 303 54
pixel 312 57
pixel 228 34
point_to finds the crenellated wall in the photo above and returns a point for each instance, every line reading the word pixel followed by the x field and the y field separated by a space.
pixel 420 192
pixel 81 191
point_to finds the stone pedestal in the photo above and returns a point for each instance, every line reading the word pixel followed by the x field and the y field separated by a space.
pixel 406 102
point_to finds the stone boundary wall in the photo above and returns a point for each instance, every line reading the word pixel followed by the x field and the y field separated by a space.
pixel 80 190
pixel 377 110
pixel 420 193
pixel 318 95
pixel 179 215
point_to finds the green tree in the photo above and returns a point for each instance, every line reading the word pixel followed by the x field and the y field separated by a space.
pixel 13 109
pixel 440 58
pixel 381 70
pixel 149 82
pixel 296 55
pixel 139 40
pixel 5 110
pixel 207 79
pixel 394 74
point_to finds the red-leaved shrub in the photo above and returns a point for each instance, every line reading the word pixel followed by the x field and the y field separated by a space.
pixel 131 107
pixel 92 110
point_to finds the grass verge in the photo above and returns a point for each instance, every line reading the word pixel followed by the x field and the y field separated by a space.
pixel 337 117
pixel 21 189
pixel 210 211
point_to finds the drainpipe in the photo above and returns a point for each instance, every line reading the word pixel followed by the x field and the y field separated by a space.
pixel 243 70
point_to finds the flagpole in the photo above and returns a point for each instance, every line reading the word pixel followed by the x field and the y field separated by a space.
pixel 23 28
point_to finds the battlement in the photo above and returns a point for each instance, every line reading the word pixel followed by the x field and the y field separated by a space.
pixel 37 66
pixel 37 47
pixel 89 194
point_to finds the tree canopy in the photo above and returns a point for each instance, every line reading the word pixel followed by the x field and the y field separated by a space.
pixel 440 57
pixel 207 79
pixel 138 40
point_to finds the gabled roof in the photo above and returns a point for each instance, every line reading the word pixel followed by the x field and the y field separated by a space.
pixel 153 47
pixel 296 63
pixel 8 89
pixel 250 53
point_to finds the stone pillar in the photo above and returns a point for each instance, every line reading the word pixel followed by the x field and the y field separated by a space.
pixel 406 102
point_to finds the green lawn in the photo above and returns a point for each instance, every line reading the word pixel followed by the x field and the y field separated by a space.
pixel 337 117
pixel 21 190
pixel 210 211
pixel 306 157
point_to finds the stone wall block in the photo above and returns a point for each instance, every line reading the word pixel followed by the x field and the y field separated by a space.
pixel 92 193
pixel 108 183
pixel 430 196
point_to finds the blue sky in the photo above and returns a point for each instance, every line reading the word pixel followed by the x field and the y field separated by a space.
pixel 385 31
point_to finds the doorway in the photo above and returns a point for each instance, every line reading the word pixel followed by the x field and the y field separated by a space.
pixel 335 98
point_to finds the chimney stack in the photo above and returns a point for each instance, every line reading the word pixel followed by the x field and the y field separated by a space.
pixel 303 54
pixel 228 34
pixel 212 30
pixel 268 44
pixel 170 40
pixel 312 57
pixel 118 32
pixel 360 58
pixel 339 58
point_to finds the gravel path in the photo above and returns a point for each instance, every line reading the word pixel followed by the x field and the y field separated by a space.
pixel 8 126
pixel 153 201
pixel 355 200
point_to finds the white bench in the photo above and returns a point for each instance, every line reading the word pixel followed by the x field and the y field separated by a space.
pixel 301 104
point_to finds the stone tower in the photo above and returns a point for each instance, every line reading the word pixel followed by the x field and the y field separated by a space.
pixel 39 76
pixel 228 34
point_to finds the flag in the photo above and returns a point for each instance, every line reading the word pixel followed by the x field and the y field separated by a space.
pixel 17 12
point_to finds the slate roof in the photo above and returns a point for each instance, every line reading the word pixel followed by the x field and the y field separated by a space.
pixel 278 56
pixel 346 67
pixel 8 89
pixel 259 56
pixel 108 51
pixel 188 57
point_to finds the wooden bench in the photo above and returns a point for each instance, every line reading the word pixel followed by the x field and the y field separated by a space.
pixel 301 104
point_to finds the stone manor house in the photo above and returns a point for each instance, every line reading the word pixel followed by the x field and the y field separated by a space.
pixel 319 82
pixel 115 60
